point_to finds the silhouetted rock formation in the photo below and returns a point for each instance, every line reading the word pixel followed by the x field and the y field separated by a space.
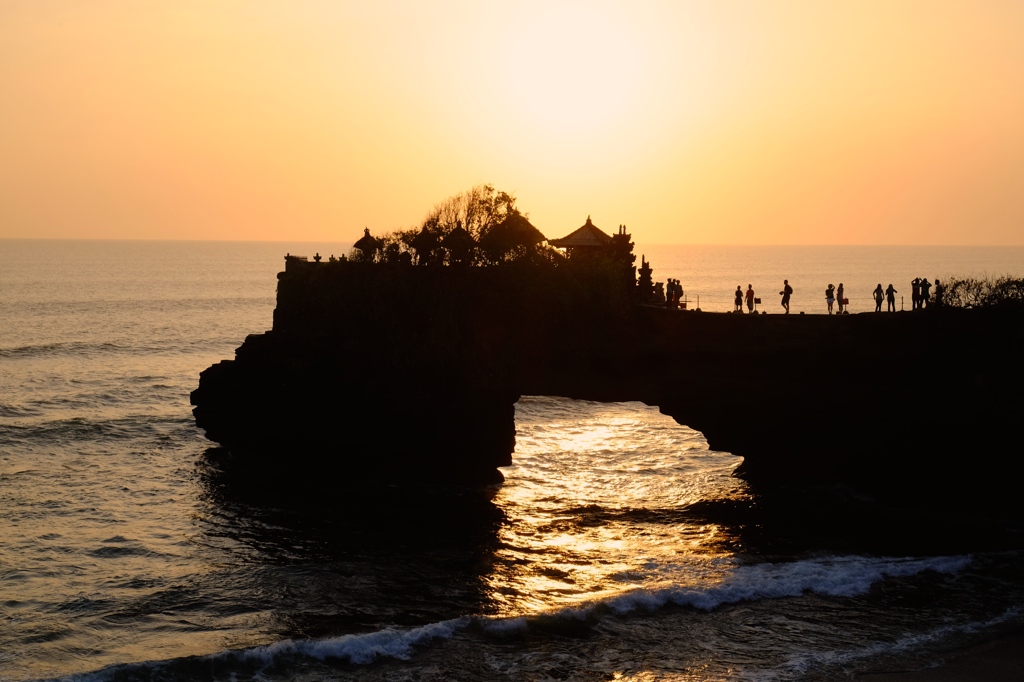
pixel 401 370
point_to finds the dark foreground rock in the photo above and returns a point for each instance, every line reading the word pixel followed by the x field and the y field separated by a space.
pixel 414 371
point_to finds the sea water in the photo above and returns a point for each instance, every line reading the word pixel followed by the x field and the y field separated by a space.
pixel 619 546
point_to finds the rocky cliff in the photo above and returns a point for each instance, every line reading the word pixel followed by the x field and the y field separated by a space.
pixel 414 371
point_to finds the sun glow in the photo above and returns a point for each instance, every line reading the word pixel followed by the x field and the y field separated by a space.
pixel 741 122
pixel 572 71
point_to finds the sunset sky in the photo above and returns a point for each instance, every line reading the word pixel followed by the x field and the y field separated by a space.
pixel 726 122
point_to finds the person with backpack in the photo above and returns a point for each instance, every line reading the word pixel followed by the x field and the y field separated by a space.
pixel 786 293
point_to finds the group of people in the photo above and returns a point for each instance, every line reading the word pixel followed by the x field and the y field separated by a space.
pixel 921 293
pixel 673 293
pixel 889 295
pixel 749 297
pixel 751 300
pixel 832 294
pixel 835 297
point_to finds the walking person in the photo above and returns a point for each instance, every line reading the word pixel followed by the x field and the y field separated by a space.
pixel 890 297
pixel 750 297
pixel 842 301
pixel 878 295
pixel 738 301
pixel 830 297
pixel 786 293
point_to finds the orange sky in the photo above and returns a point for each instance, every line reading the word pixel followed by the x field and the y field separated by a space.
pixel 727 122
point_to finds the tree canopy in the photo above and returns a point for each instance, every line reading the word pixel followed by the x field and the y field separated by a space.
pixel 481 226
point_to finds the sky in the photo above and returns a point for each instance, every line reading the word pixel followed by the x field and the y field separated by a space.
pixel 714 122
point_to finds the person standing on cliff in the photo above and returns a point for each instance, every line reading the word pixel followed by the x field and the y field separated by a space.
pixel 830 297
pixel 926 293
pixel 738 301
pixel 842 301
pixel 939 291
pixel 750 297
pixel 890 296
pixel 786 292
pixel 878 295
pixel 915 293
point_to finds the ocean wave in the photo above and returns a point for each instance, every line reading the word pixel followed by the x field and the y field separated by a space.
pixel 61 348
pixel 18 411
pixel 107 348
pixel 81 429
pixel 836 577
pixel 842 576
pixel 358 649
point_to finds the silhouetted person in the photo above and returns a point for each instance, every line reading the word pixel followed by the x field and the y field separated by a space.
pixel 750 297
pixel 915 293
pixel 890 296
pixel 839 296
pixel 878 295
pixel 674 291
pixel 786 292
pixel 939 291
pixel 926 293
pixel 830 297
pixel 738 300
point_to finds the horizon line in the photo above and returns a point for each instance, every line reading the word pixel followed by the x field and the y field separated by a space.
pixel 345 241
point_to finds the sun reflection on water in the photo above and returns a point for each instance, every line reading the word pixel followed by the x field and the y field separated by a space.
pixel 597 503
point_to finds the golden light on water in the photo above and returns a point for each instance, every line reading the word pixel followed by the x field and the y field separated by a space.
pixel 580 510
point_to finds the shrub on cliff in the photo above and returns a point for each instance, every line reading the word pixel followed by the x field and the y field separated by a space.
pixel 975 292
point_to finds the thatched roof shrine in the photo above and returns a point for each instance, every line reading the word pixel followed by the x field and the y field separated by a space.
pixel 588 236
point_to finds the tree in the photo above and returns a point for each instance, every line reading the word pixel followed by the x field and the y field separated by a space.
pixel 475 210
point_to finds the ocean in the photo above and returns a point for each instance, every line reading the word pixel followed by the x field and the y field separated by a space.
pixel 618 547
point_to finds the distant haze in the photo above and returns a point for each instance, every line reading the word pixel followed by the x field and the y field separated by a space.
pixel 734 122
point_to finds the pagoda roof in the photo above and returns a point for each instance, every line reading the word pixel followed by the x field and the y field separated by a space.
pixel 589 235
pixel 367 243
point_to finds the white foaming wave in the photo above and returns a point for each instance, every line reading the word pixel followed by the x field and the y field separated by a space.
pixel 842 576
pixel 361 648
pixel 839 577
